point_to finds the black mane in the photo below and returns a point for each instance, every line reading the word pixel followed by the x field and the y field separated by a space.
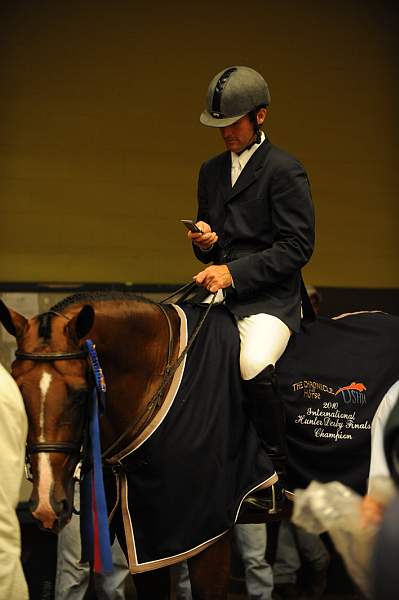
pixel 98 296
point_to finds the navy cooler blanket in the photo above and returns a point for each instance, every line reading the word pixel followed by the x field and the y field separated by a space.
pixel 333 376
pixel 186 482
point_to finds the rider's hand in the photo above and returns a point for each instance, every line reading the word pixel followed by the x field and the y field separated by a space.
pixel 214 278
pixel 204 240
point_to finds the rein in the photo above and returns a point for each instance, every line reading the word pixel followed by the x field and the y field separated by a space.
pixel 168 373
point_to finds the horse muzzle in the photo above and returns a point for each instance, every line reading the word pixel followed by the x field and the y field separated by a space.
pixel 51 501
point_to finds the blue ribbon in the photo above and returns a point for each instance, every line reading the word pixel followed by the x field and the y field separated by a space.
pixel 94 529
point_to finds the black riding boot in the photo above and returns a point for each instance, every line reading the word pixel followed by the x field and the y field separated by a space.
pixel 266 412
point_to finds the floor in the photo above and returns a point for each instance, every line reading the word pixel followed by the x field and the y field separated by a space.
pixel 339 587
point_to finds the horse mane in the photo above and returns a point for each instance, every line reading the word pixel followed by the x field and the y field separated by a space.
pixel 99 296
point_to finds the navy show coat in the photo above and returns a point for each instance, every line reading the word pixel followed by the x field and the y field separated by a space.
pixel 265 225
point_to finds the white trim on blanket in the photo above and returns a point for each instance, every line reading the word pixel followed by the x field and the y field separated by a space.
pixel 136 567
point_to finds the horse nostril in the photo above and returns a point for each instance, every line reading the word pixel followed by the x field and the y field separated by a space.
pixel 32 504
pixel 65 510
pixel 64 516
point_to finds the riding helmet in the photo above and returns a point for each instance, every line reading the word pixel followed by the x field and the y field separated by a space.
pixel 233 93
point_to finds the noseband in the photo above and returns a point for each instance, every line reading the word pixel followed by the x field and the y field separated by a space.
pixel 71 448
pixel 51 356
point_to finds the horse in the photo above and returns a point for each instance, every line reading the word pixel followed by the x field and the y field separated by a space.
pixel 332 378
pixel 142 353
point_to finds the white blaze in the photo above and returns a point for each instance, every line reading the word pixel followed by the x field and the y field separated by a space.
pixel 44 511
pixel 44 386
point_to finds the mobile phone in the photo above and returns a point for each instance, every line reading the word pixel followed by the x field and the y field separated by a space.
pixel 191 226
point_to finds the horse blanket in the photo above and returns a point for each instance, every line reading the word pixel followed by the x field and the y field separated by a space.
pixel 182 484
pixel 333 377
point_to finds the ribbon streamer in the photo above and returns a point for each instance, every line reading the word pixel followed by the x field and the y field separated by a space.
pixel 94 529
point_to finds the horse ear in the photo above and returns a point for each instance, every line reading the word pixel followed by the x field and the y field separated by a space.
pixel 81 324
pixel 13 322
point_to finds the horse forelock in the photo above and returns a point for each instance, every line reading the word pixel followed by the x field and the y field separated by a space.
pixel 44 328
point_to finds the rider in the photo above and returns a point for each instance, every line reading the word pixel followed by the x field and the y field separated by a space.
pixel 256 216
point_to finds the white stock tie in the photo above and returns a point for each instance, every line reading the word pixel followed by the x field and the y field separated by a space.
pixel 235 169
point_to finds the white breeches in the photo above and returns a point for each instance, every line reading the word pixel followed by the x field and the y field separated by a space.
pixel 263 340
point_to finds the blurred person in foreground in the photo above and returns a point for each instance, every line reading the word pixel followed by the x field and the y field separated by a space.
pixel 13 431
pixel 384 466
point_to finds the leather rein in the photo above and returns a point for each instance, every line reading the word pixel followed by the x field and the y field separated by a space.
pixel 168 372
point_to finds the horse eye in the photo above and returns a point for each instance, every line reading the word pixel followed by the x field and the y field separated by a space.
pixel 77 399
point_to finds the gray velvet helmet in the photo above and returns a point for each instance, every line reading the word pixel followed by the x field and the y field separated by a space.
pixel 233 93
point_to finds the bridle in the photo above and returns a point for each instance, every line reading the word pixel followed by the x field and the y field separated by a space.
pixel 71 448
pixel 51 356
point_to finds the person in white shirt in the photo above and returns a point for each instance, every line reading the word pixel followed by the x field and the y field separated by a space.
pixel 13 431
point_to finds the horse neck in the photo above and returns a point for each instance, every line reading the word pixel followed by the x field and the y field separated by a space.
pixel 133 349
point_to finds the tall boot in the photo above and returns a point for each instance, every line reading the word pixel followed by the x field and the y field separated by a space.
pixel 267 414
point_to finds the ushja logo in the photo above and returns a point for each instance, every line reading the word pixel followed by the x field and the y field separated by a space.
pixel 360 387
pixel 353 393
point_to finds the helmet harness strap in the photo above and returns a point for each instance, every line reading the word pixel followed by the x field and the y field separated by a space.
pixel 253 118
pixel 257 139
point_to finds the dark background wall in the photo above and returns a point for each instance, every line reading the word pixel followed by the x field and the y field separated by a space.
pixel 100 141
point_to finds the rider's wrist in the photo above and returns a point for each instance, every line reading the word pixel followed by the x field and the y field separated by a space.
pixel 208 249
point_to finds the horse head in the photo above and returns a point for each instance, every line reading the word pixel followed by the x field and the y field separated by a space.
pixel 52 374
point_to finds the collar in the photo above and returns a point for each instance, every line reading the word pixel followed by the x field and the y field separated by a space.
pixel 245 155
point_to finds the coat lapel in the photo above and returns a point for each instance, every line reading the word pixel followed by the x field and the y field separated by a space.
pixel 250 172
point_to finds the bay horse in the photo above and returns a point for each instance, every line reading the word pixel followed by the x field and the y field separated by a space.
pixel 138 343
